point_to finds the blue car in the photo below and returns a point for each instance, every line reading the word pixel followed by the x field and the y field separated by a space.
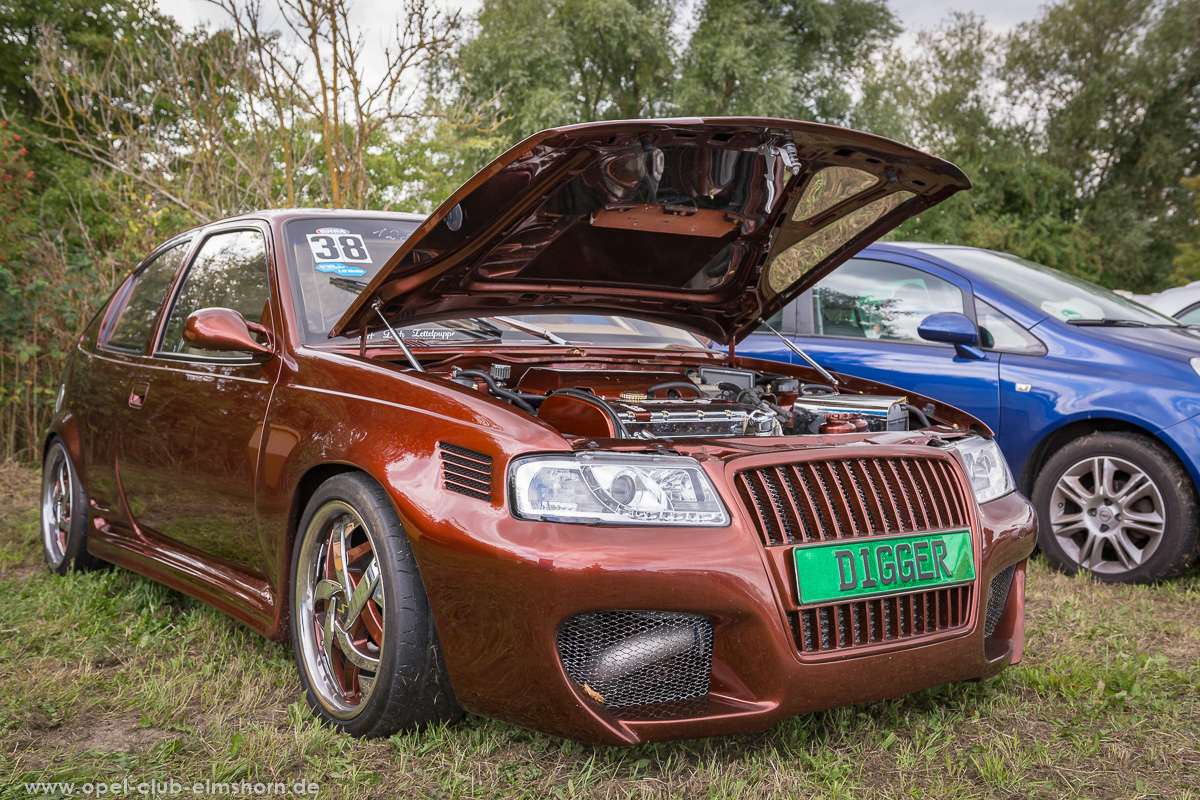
pixel 1095 400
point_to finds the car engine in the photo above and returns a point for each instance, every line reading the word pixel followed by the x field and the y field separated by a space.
pixel 699 402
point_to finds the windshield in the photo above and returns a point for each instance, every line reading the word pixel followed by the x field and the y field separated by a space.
pixel 331 261
pixel 321 248
pixel 1061 295
pixel 576 329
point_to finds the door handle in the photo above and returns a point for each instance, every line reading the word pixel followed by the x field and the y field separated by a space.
pixel 137 394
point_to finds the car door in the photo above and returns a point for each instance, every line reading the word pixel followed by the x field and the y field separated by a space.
pixel 116 366
pixel 862 319
pixel 189 460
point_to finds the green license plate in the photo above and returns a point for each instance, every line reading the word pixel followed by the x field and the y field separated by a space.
pixel 857 568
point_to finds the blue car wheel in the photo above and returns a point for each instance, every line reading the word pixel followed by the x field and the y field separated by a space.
pixel 1119 506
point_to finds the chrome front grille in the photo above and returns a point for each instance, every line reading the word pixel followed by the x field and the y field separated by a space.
pixel 824 501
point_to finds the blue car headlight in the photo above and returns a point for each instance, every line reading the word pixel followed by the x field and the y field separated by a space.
pixel 986 467
pixel 615 489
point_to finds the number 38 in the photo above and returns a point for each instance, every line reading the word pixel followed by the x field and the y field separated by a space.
pixel 348 247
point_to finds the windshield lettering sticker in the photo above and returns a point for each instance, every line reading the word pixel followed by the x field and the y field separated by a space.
pixel 332 230
pixel 344 247
pixel 390 234
pixel 429 333
pixel 345 270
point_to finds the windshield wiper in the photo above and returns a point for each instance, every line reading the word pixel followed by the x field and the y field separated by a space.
pixel 1109 322
pixel 529 327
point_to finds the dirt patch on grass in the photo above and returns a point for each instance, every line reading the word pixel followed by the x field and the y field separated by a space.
pixel 18 488
pixel 44 742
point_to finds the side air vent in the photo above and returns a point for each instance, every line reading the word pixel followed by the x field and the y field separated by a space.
pixel 465 471
pixel 998 598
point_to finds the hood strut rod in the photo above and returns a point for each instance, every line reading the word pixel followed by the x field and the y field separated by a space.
pixel 378 306
pixel 826 374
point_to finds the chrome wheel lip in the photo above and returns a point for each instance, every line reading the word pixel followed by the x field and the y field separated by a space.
pixel 1106 515
pixel 320 628
pixel 58 494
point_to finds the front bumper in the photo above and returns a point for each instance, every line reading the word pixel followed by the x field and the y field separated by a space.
pixel 501 593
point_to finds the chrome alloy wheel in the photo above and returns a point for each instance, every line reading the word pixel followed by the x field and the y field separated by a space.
pixel 58 489
pixel 1107 515
pixel 339 600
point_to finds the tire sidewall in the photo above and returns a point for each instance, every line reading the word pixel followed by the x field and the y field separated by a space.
pixel 356 491
pixel 75 554
pixel 1176 549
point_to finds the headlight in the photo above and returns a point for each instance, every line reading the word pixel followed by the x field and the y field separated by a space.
pixel 615 489
pixel 986 467
pixel 1195 362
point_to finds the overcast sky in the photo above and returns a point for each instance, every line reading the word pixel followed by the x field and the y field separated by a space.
pixel 913 14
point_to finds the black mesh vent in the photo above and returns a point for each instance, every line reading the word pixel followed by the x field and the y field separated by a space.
pixel 998 598
pixel 466 472
pixel 638 658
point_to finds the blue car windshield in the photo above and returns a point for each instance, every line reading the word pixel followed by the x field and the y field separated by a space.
pixel 1061 295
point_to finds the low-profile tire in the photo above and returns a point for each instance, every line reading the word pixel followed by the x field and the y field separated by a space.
pixel 1118 505
pixel 64 513
pixel 365 643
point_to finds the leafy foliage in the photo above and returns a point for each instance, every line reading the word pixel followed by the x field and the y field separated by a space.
pixel 1079 128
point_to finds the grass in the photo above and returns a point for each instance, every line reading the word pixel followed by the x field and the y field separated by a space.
pixel 107 675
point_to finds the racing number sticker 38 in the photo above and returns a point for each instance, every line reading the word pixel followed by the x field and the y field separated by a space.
pixel 337 244
pixel 853 569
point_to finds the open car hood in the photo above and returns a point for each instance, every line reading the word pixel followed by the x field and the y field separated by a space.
pixel 707 224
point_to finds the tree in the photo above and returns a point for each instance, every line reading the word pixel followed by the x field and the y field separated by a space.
pixel 791 58
pixel 1113 87
pixel 1187 262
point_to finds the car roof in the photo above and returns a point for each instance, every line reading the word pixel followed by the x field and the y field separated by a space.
pixel 272 215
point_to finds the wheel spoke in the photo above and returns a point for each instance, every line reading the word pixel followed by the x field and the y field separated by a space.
pixel 1129 554
pixel 1092 546
pixel 1138 485
pixel 1075 491
pixel 1105 472
pixel 1150 522
pixel 367 585
pixel 338 554
pixel 359 658
pixel 1064 522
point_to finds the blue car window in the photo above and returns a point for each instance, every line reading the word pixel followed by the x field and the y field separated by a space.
pixel 997 331
pixel 879 300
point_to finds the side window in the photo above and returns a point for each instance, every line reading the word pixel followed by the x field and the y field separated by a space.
pixel 880 300
pixel 997 331
pixel 136 305
pixel 775 321
pixel 229 271
pixel 1191 316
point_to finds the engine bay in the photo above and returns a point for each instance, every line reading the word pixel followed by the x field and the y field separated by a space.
pixel 684 401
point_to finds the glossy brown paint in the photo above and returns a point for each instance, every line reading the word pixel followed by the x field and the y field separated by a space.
pixel 222 329
pixel 499 587
pixel 548 225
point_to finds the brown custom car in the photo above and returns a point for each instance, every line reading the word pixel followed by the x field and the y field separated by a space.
pixel 481 461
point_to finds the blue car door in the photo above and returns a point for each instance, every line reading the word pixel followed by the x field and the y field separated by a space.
pixel 862 319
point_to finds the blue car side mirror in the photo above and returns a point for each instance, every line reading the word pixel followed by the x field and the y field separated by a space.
pixel 953 328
